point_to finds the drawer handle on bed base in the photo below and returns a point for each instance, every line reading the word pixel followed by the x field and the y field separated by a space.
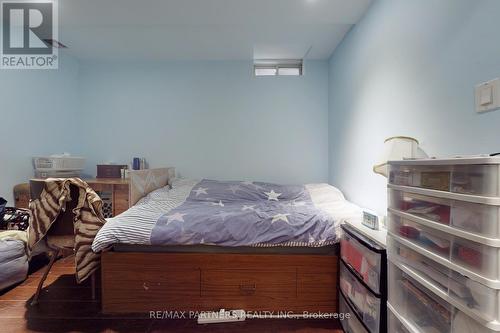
pixel 248 289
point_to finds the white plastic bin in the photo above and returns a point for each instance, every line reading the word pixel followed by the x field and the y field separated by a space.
pixel 57 174
pixel 427 312
pixel 430 239
pixel 364 303
pixel 478 258
pixel 394 325
pixel 365 259
pixel 350 323
pixel 420 307
pixel 476 218
pixel 476 176
pixel 59 163
pixel 482 300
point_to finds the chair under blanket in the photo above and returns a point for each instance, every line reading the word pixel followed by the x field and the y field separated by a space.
pixel 60 238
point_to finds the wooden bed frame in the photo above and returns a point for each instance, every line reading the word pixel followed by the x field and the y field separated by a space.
pixel 141 282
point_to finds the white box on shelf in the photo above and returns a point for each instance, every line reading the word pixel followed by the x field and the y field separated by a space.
pixel 60 163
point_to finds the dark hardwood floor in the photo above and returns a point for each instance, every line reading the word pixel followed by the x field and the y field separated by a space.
pixel 67 307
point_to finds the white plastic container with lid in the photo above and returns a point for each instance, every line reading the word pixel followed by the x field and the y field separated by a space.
pixel 473 175
pixel 57 174
pixel 58 162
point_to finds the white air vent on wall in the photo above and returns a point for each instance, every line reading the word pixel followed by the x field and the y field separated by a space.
pixel 278 67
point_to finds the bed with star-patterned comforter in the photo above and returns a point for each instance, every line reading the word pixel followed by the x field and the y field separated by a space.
pixel 232 213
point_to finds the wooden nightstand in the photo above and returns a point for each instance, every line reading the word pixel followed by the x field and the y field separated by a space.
pixel 114 191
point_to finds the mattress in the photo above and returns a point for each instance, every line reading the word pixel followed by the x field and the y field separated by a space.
pixel 325 250
pixel 135 226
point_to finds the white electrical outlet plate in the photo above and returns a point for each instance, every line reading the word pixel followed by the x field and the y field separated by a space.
pixel 223 316
pixel 488 96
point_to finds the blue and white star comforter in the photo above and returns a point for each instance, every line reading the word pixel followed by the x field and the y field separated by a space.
pixel 231 213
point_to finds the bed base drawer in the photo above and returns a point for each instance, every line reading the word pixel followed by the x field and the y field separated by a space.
pixel 144 282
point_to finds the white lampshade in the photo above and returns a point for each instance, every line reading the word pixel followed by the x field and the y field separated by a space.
pixel 398 148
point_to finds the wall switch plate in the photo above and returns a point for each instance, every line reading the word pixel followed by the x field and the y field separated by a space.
pixel 488 96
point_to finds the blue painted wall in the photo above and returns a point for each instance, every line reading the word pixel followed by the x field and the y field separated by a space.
pixel 409 68
pixel 208 119
pixel 37 116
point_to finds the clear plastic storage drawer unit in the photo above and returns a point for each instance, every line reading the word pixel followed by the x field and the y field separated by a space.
pixel 351 323
pixel 476 218
pixel 394 325
pixel 476 175
pixel 430 239
pixel 478 258
pixel 365 257
pixel 419 306
pixel 475 297
pixel 366 305
pixel 424 310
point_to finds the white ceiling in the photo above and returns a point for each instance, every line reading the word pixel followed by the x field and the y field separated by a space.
pixel 205 29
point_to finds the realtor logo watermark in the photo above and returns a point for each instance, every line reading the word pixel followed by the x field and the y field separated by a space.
pixel 28 31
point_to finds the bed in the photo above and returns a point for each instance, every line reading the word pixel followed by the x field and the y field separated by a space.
pixel 202 245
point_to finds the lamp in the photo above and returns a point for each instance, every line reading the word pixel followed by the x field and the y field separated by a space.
pixel 398 148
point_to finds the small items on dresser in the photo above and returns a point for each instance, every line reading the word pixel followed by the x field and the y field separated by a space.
pixel 139 163
pixel 110 170
pixel 444 245
pixel 372 220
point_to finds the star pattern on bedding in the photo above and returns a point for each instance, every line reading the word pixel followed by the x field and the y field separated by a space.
pixel 241 213
pixel 200 190
pixel 223 215
pixel 248 207
pixel 234 188
pixel 218 203
pixel 272 195
pixel 280 217
pixel 176 217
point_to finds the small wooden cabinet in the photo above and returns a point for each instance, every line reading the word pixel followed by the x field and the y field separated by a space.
pixel 115 193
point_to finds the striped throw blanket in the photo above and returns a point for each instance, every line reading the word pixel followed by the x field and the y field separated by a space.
pixel 88 220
